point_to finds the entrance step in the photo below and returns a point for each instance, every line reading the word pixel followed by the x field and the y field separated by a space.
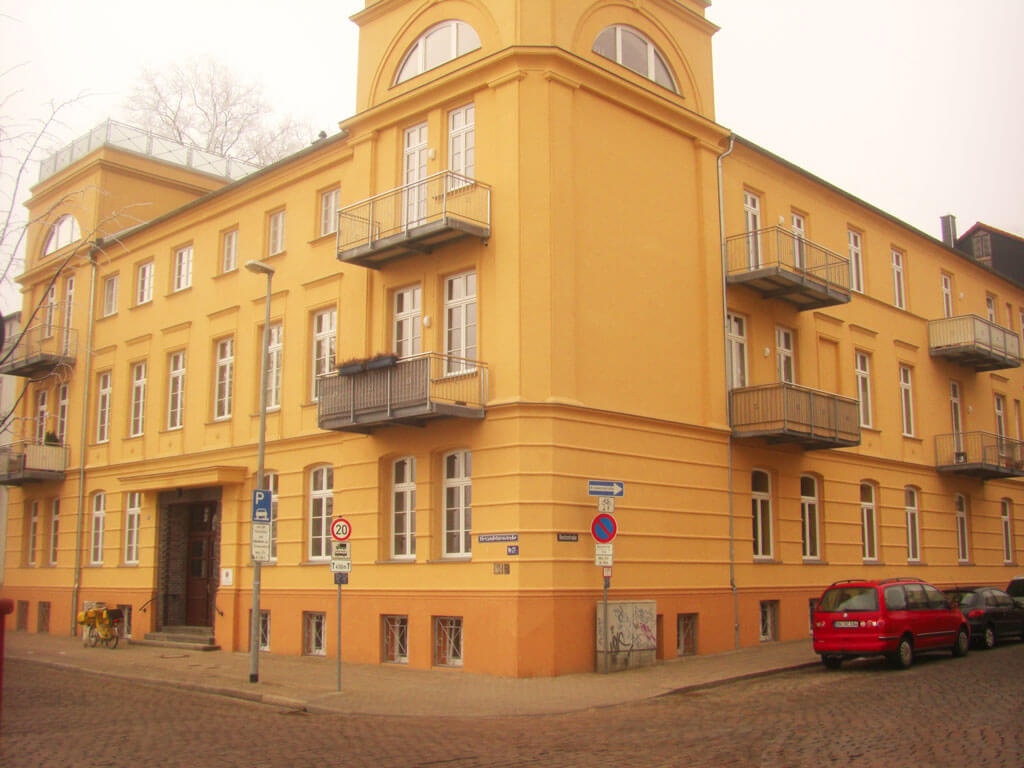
pixel 181 637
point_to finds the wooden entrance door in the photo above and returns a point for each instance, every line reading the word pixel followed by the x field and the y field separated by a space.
pixel 200 581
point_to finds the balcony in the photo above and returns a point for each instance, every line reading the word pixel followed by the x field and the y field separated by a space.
pixel 973 342
pixel 780 264
pixel 411 390
pixel 30 461
pixel 787 413
pixel 979 454
pixel 39 350
pixel 416 218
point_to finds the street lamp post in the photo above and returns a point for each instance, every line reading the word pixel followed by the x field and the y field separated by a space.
pixel 254 626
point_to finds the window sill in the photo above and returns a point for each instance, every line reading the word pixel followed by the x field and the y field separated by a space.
pixel 101 318
pixel 323 561
pixel 133 307
pixel 170 430
pixel 454 559
pixel 316 240
pixel 127 565
pixel 814 561
pixel 964 563
pixel 872 562
pixel 228 273
pixel 913 438
pixel 178 292
pixel 213 422
pixel 396 561
pixel 766 561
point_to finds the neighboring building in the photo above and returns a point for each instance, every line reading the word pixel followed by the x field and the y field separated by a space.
pixel 8 384
pixel 804 391
pixel 1001 251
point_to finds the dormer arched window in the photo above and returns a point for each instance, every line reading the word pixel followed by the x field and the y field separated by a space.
pixel 63 232
pixel 633 50
pixel 438 45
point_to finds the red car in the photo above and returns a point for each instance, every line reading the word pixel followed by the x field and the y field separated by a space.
pixel 895 618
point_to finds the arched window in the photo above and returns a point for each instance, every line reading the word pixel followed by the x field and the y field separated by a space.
pixel 63 232
pixel 633 50
pixel 438 45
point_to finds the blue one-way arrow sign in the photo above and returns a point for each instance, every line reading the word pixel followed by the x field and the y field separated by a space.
pixel 605 488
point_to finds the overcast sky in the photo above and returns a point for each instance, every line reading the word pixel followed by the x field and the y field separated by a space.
pixel 913 105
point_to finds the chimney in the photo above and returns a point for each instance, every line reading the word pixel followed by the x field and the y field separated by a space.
pixel 949 229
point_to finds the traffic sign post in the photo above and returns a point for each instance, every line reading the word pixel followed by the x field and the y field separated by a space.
pixel 341 566
pixel 603 528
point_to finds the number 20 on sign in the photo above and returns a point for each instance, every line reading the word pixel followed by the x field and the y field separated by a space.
pixel 341 529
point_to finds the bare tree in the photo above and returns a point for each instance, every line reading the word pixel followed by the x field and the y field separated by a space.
pixel 204 103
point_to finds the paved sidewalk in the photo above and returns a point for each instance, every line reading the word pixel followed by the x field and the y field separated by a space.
pixel 310 683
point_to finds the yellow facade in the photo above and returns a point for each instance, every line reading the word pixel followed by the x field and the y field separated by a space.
pixel 600 293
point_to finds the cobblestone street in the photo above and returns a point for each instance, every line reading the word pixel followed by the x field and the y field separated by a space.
pixel 942 712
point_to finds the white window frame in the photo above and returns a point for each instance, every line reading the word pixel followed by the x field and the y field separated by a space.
pixel 144 283
pixel 272 481
pixel 810 507
pixel 761 516
pixel 963 550
pixel 947 295
pixel 62 413
pixel 137 415
pixel 956 415
pixel 64 231
pixel 898 284
pixel 50 312
pixel 457 534
pixel 314 633
pixel 460 322
pixel 275 351
pixel 103 394
pixel 176 390
pixel 42 415
pixel 321 510
pixel 799 227
pixel 655 64
pixel 768 625
pixel 99 513
pixel 785 354
pixel 132 518
pixel 752 224
pixel 182 268
pixel 462 144
pixel 910 497
pixel 856 251
pixel 275 233
pixel 464 39
pixel 868 522
pixel 403 508
pixel 1006 525
pixel 990 308
pixel 408 319
pixel 448 641
pixel 69 305
pixel 54 531
pixel 229 251
pixel 862 366
pixel 223 378
pixel 736 341
pixel 329 200
pixel 110 285
pixel 33 532
pixel 999 407
pixel 394 639
pixel 907 399
pixel 325 323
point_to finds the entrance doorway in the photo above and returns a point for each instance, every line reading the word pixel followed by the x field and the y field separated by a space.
pixel 200 581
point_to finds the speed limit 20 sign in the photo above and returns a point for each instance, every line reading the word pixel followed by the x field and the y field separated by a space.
pixel 341 529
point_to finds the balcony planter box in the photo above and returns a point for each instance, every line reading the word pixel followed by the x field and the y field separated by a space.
pixel 381 361
pixel 351 367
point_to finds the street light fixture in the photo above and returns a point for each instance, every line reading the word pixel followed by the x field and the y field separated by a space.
pixel 254 626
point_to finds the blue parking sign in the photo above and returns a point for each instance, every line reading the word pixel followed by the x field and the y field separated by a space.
pixel 261 500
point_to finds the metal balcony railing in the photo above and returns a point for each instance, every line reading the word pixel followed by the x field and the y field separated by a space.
pixel 417 217
pixel 49 342
pixel 975 342
pixel 794 414
pixel 409 391
pixel 979 454
pixel 27 461
pixel 779 263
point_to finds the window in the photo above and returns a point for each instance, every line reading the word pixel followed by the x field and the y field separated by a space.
pixel 686 634
pixel 736 362
pixel 633 50
pixel 264 630
pixel 898 290
pixel 54 531
pixel 999 403
pixel 99 512
pixel 314 632
pixel 270 480
pixel 809 517
pixel 63 232
pixel 403 508
pixel 62 413
pixel 110 295
pixel 907 400
pixel 460 322
pixel 799 240
pixel 49 312
pixel 324 326
pixel 408 319
pixel 395 639
pixel 275 233
pixel 752 222
pixel 144 283
pixel 41 415
pixel 947 295
pixel 225 370
pixel 856 260
pixel 229 251
pixel 1006 522
pixel 275 349
pixel 990 308
pixel 183 268
pixel 868 524
pixel 175 390
pixel 761 513
pixel 132 515
pixel 438 45
pixel 329 211
pixel 960 507
pixel 321 509
pixel 103 408
pixel 784 355
pixel 458 506
pixel 913 527
pixel 448 641
pixel 461 143
pixel 33 533
pixel 955 417
pixel 138 412
pixel 69 305
pixel 769 631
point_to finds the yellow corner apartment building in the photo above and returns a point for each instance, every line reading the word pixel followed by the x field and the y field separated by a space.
pixel 532 259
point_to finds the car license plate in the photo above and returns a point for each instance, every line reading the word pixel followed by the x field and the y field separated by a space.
pixel 844 624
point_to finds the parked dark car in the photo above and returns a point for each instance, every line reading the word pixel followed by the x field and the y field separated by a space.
pixel 896 618
pixel 992 614
pixel 1015 588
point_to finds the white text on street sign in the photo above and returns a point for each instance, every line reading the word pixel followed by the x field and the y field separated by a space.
pixel 603 554
pixel 261 542
pixel 261 501
pixel 605 488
